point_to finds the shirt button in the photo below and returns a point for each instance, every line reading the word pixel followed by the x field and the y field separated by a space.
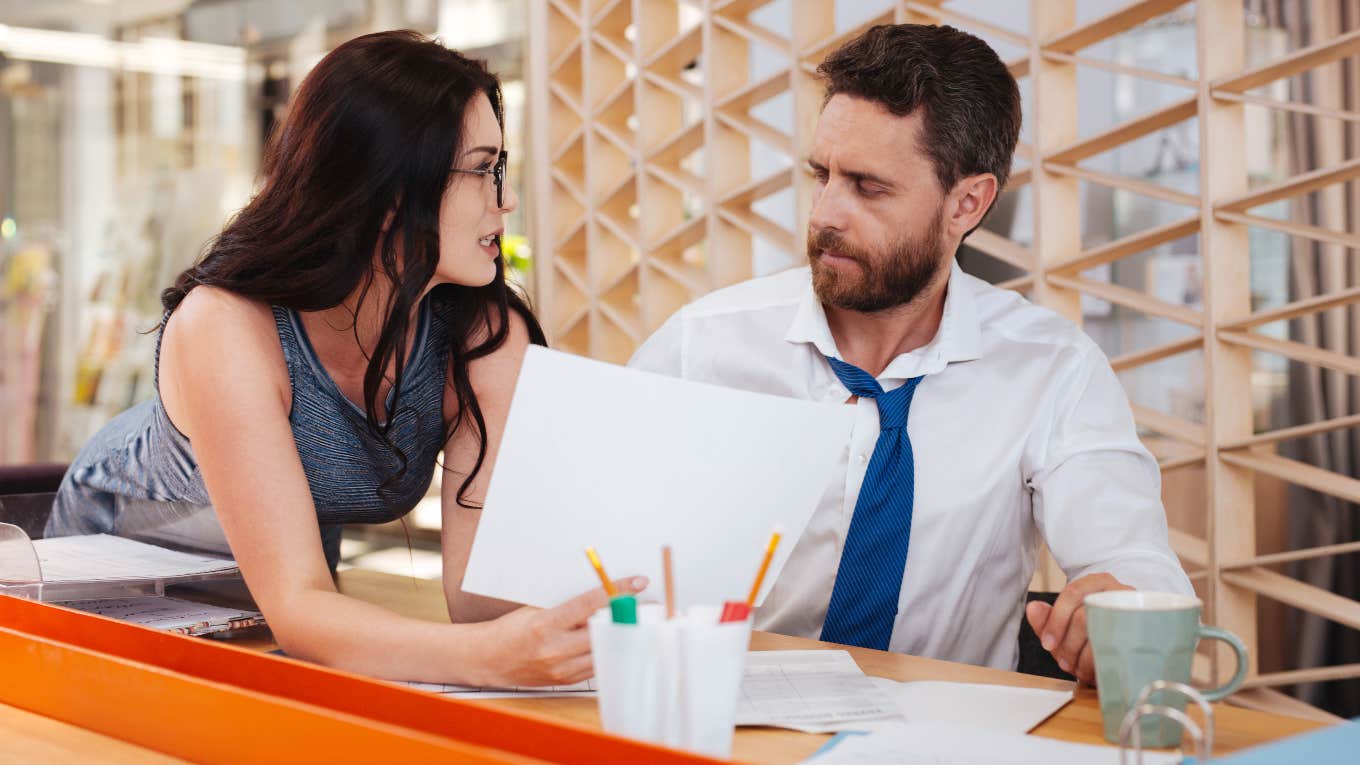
pixel 861 459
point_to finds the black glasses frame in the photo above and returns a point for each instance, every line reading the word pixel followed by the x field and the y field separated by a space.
pixel 497 174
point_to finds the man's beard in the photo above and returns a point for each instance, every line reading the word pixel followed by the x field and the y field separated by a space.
pixel 885 281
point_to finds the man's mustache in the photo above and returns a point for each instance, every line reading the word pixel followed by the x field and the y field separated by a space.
pixel 821 240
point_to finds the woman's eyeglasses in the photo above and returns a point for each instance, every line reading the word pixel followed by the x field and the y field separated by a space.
pixel 497 174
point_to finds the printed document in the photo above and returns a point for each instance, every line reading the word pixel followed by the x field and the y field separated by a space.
pixel 811 691
pixel 936 743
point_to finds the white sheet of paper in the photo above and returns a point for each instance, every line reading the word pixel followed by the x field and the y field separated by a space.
pixel 940 743
pixel 103 557
pixel 1001 708
pixel 625 461
pixel 810 691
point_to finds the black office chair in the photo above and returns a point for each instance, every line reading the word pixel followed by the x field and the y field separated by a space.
pixel 1034 660
pixel 26 494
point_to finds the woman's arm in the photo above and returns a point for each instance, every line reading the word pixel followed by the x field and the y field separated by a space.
pixel 225 385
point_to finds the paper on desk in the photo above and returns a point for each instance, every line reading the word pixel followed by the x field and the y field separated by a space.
pixel 627 461
pixel 1001 708
pixel 103 557
pixel 171 614
pixel 581 690
pixel 811 691
pixel 940 743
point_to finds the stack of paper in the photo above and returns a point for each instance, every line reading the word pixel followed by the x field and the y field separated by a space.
pixel 823 691
pixel 97 566
pixel 107 558
pixel 812 691
pixel 171 614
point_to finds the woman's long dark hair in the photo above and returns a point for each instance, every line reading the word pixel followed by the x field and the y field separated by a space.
pixel 374 129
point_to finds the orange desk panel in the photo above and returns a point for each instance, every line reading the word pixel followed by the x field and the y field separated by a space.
pixel 197 698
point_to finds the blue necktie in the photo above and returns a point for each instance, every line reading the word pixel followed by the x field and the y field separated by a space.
pixel 869 579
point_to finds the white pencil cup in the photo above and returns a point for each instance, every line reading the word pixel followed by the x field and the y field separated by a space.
pixel 712 662
pixel 675 682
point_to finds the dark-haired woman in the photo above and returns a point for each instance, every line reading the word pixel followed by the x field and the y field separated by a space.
pixel 347 324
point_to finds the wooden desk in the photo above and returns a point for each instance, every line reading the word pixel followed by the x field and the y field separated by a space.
pixel 41 739
pixel 1235 728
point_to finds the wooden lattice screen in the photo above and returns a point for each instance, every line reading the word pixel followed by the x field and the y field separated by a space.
pixel 643 138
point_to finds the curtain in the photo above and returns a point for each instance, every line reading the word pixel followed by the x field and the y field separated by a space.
pixel 1316 268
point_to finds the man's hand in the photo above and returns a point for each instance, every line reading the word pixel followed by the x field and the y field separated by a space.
pixel 1061 627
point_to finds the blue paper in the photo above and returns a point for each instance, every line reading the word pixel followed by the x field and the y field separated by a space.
pixel 1336 745
pixel 836 739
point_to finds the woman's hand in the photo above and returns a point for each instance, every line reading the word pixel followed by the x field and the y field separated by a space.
pixel 534 646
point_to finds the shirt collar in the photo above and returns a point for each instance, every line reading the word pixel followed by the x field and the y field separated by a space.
pixel 957 339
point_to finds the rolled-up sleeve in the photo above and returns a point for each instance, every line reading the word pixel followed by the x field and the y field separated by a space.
pixel 1096 490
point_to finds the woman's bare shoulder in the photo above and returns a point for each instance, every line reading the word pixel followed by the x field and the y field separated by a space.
pixel 215 336
pixel 207 307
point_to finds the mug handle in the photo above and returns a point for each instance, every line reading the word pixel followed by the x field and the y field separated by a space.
pixel 1221 692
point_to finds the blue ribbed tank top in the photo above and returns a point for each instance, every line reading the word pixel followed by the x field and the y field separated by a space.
pixel 138 476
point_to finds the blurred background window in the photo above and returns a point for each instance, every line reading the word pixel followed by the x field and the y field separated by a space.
pixel 130 131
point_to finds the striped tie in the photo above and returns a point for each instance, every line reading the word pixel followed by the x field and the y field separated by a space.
pixel 869 579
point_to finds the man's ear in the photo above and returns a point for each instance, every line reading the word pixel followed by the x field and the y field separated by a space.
pixel 971 198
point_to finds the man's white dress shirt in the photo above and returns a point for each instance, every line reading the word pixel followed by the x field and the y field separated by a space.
pixel 1019 429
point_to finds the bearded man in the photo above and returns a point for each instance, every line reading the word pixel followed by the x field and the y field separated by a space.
pixel 983 423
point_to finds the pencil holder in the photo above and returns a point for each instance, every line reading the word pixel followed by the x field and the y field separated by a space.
pixel 635 668
pixel 712 663
pixel 674 682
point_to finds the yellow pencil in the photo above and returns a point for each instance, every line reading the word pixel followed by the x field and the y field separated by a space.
pixel 609 588
pixel 764 566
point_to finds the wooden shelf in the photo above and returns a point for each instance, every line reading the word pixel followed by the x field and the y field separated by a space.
pixel 649 147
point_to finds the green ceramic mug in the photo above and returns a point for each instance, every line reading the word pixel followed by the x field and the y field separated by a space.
pixel 1138 637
